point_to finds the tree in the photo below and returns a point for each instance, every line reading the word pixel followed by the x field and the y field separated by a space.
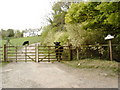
pixel 59 12
pixel 96 16
pixel 81 12
pixel 18 34
pixel 3 34
pixel 10 33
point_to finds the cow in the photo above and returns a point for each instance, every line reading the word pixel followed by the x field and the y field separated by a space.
pixel 26 43
pixel 58 51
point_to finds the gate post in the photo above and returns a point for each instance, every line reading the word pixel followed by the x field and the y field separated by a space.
pixel 48 53
pixel 16 53
pixel 5 53
pixel 25 53
pixel 38 54
pixel 35 52
pixel 70 51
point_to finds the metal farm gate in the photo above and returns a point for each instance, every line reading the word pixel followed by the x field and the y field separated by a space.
pixel 34 53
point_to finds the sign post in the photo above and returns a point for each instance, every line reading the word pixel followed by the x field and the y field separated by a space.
pixel 109 37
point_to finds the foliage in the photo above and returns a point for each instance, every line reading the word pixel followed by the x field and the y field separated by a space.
pixel 18 34
pixel 85 23
pixel 79 36
pixel 58 14
pixel 63 37
pixel 93 19
pixel 50 35
pixel 47 35
pixel 10 33
pixel 96 15
pixel 56 30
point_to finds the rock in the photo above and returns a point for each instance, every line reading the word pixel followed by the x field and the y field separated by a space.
pixel 79 64
pixel 103 74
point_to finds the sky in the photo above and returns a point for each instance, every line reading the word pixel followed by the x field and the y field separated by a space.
pixel 24 14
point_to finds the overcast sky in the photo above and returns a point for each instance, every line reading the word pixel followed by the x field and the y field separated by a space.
pixel 24 14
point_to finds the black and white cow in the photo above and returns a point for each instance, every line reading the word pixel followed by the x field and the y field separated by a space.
pixel 58 50
pixel 26 43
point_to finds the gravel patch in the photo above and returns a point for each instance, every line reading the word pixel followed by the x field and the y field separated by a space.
pixel 53 75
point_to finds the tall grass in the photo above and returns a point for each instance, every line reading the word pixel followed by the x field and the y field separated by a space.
pixel 94 64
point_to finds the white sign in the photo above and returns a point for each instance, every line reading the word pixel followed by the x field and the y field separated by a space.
pixel 109 37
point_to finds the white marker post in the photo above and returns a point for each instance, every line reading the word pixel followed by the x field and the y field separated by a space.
pixel 109 37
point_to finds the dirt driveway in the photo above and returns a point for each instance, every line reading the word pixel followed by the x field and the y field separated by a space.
pixel 53 75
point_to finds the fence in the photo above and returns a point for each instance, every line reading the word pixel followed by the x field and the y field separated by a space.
pixel 39 53
pixel 1 53
pixel 34 53
pixel 101 51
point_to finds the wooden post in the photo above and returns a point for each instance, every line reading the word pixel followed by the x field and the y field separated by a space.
pixel 16 53
pixel 70 51
pixel 35 52
pixel 77 53
pixel 110 49
pixel 38 53
pixel 25 53
pixel 5 53
pixel 48 53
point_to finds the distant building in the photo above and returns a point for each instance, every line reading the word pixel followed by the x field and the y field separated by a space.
pixel 32 32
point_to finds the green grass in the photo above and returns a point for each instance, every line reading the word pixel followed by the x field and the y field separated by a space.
pixel 94 64
pixel 3 63
pixel 2 42
pixel 19 41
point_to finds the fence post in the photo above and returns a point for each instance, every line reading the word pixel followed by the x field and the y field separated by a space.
pixel 48 53
pixel 35 52
pixel 110 50
pixel 25 53
pixel 38 53
pixel 70 51
pixel 16 53
pixel 77 53
pixel 5 53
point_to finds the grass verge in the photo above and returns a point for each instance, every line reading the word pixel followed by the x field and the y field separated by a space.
pixel 109 66
pixel 3 63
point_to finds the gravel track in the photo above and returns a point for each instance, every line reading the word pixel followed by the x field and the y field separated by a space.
pixel 53 75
